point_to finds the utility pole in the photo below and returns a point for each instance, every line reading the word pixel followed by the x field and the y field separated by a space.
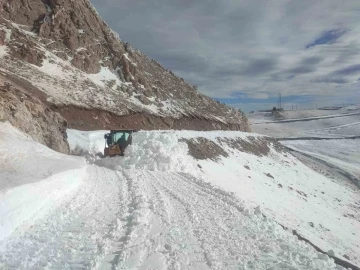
pixel 279 101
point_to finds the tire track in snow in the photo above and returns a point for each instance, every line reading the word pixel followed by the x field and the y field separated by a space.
pixel 173 239
pixel 135 225
pixel 151 239
pixel 199 219
pixel 115 234
pixel 191 220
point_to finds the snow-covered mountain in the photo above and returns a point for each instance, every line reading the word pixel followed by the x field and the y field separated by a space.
pixel 69 58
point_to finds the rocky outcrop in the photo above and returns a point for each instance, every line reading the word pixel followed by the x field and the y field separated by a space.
pixel 31 116
pixel 69 53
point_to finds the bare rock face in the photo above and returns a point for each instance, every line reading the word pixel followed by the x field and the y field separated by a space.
pixel 2 37
pixel 31 116
pixel 70 54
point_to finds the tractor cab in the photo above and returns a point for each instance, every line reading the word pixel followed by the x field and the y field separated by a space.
pixel 116 142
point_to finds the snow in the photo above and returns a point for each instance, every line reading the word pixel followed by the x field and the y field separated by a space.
pixel 337 159
pixel 344 154
pixel 3 48
pixel 33 178
pixel 323 124
pixel 28 162
pixel 303 197
pixel 126 55
pixel 307 118
pixel 152 108
pixel 81 49
pixel 159 208
pixel 3 51
pixel 21 27
pixel 154 151
pixel 29 202
pixel 7 33
pixel 105 75
pixel 301 114
pixel 157 220
pixel 86 142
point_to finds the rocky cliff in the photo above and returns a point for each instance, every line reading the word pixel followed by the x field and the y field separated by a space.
pixel 80 68
pixel 29 114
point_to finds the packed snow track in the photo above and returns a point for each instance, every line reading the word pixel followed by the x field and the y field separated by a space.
pixel 136 219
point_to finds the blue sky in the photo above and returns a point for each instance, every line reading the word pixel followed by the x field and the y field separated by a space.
pixel 328 37
pixel 309 51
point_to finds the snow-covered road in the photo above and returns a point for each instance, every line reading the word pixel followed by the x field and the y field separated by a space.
pixel 177 200
pixel 139 219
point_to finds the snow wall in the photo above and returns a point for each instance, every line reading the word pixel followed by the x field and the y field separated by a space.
pixel 33 179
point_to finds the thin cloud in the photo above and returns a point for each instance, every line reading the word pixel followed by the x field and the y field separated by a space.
pixel 328 37
pixel 354 69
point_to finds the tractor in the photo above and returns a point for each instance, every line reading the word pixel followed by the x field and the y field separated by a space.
pixel 116 142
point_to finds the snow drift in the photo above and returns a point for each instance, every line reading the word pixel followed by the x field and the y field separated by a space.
pixel 33 178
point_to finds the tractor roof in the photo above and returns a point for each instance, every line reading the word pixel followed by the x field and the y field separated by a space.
pixel 122 130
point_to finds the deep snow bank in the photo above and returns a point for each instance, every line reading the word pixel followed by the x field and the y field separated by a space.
pixel 33 178
pixel 261 173
pixel 154 151
pixel 86 142
pixel 25 161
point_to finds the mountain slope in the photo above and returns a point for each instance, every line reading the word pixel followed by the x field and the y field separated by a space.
pixel 95 80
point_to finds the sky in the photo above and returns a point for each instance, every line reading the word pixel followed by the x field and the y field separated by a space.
pixel 245 52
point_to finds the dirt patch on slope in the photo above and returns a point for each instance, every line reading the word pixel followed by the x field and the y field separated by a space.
pixel 257 146
pixel 202 148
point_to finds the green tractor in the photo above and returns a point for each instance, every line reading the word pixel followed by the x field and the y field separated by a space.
pixel 116 142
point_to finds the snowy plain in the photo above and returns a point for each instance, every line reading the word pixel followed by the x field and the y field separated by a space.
pixel 344 122
pixel 159 208
pixel 333 141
